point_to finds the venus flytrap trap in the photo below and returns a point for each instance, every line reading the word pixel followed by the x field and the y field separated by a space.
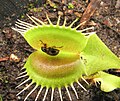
pixel 65 55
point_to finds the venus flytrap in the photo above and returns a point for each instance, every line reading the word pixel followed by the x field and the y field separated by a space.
pixel 63 56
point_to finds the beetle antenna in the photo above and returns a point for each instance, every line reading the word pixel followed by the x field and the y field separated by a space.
pixel 42 42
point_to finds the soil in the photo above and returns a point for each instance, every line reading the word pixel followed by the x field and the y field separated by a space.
pixel 14 50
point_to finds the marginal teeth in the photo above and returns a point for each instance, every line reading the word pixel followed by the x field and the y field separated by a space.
pixel 23 83
pixel 19 31
pixel 38 20
pixel 22 76
pixel 24 23
pixel 68 94
pixel 58 22
pixel 73 22
pixel 45 94
pixel 85 29
pixel 33 20
pixel 22 73
pixel 24 89
pixel 21 27
pixel 74 91
pixel 52 94
pixel 64 22
pixel 23 68
pixel 48 19
pixel 80 25
pixel 85 81
pixel 30 92
pixel 59 89
pixel 81 86
pixel 38 93
pixel 97 81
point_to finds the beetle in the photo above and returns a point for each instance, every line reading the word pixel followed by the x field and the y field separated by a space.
pixel 53 51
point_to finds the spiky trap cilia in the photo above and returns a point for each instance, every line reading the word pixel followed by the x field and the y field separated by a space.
pixel 63 56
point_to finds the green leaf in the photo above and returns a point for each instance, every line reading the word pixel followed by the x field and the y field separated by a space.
pixel 109 82
pixel 98 57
